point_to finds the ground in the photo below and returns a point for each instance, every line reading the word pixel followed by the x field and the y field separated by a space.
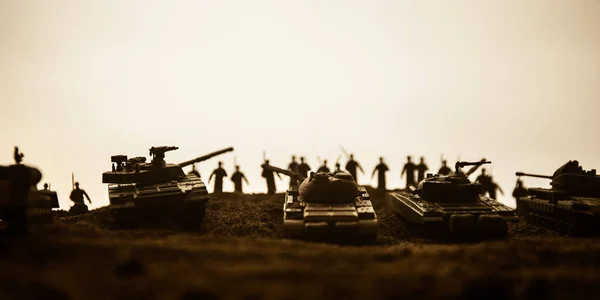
pixel 239 253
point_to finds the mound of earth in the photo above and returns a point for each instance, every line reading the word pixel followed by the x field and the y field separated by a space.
pixel 239 253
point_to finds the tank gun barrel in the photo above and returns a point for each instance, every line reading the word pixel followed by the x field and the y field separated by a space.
pixel 289 173
pixel 476 164
pixel 205 157
pixel 533 175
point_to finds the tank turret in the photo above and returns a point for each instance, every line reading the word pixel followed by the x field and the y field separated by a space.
pixel 571 179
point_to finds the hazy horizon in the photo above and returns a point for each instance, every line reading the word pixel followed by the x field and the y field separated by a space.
pixel 514 81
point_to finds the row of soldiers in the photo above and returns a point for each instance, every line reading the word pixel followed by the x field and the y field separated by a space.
pixel 414 174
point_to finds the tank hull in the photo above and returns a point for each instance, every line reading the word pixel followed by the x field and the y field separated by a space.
pixel 355 221
pixel 483 218
pixel 575 216
pixel 40 205
pixel 182 201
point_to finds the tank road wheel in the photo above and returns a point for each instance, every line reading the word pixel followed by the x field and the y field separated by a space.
pixel 191 216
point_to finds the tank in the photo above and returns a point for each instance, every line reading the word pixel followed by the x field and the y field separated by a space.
pixel 327 206
pixel 141 192
pixel 570 205
pixel 452 206
pixel 41 203
pixel 18 195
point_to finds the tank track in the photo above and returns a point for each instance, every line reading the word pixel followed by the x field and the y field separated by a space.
pixel 551 223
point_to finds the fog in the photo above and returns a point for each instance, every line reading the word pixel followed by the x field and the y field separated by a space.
pixel 515 82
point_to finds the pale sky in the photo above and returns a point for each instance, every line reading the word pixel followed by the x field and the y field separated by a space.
pixel 516 82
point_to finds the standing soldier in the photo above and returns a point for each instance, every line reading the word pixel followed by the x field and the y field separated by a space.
pixel 381 168
pixel 351 167
pixel 77 197
pixel 293 166
pixel 303 167
pixel 493 188
pixel 409 169
pixel 324 167
pixel 237 178
pixel 269 176
pixel 421 169
pixel 444 170
pixel 520 190
pixel 219 174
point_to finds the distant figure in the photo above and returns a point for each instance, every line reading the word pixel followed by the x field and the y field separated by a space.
pixel 519 191
pixel 381 168
pixel 409 169
pixel 421 169
pixel 77 197
pixel 194 171
pixel 269 176
pixel 444 170
pixel 489 187
pixel 337 168
pixel 293 166
pixel 237 178
pixel 45 187
pixel 324 167
pixel 303 168
pixel 351 167
pixel 219 174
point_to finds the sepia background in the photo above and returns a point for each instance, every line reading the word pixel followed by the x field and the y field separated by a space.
pixel 516 82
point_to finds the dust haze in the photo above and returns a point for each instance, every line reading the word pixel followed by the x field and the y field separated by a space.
pixel 514 81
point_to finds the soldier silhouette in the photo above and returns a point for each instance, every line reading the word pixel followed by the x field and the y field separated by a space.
pixel 77 197
pixel 520 190
pixel 194 171
pixel 488 184
pixel 421 169
pixel 351 167
pixel 324 167
pixel 293 166
pixel 45 187
pixel 337 168
pixel 409 169
pixel 237 178
pixel 269 176
pixel 303 167
pixel 381 168
pixel 219 174
pixel 444 170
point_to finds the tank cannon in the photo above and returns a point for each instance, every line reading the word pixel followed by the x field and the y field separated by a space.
pixel 533 175
pixel 205 157
pixel 289 173
pixel 571 205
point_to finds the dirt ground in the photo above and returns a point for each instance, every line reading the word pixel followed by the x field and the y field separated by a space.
pixel 240 254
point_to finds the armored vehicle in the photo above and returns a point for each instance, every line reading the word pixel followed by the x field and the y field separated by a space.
pixel 19 198
pixel 571 205
pixel 327 205
pixel 451 205
pixel 141 192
